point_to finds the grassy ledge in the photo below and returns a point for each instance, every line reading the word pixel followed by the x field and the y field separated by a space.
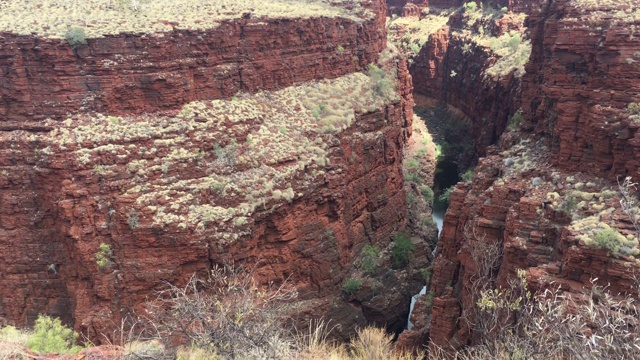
pixel 215 163
pixel 53 18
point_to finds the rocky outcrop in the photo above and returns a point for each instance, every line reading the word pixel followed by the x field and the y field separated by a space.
pixel 536 198
pixel 518 200
pixel 132 73
pixel 583 74
pixel 152 188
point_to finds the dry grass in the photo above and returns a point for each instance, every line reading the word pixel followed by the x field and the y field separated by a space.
pixel 13 343
pixel 411 33
pixel 52 18
pixel 594 11
pixel 250 153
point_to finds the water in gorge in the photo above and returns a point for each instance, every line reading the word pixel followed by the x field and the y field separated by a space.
pixel 452 136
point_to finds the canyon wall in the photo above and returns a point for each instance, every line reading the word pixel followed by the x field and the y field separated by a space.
pixel 578 136
pixel 132 73
pixel 444 71
pixel 583 73
pixel 164 191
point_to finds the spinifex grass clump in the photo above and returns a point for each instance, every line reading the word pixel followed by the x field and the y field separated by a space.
pixel 52 18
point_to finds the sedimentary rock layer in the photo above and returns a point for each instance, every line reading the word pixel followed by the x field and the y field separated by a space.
pixel 133 73
pixel 173 194
pixel 583 74
pixel 526 196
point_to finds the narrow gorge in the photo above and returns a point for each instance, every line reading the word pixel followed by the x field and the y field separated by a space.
pixel 352 151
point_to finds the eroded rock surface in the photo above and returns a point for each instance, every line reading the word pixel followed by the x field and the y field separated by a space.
pixel 542 198
pixel 136 73
pixel 122 168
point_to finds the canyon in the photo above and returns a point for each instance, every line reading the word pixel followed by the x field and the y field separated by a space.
pixel 271 143
pixel 545 185
pixel 110 151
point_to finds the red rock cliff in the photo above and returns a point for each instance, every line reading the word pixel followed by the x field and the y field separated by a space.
pixel 451 68
pixel 249 180
pixel 583 74
pixel 148 73
pixel 64 194
pixel 580 79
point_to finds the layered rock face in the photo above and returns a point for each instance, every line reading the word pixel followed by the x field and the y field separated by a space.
pixel 125 74
pixel 292 182
pixel 451 68
pixel 583 74
pixel 527 195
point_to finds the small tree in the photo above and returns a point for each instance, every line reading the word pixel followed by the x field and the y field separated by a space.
pixel 401 250
pixel 76 37
pixel 50 336
pixel 103 256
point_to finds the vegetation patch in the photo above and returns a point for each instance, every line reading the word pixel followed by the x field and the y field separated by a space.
pixel 401 250
pixel 370 258
pixel 593 232
pixel 50 336
pixel 53 18
pixel 251 153
pixel 410 34
pixel 103 256
pixel 350 286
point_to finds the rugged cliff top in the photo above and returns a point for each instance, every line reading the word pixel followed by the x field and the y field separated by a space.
pixel 53 18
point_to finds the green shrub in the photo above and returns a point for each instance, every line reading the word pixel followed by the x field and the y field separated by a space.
pixel 76 37
pixel 383 84
pixel 439 151
pixel 607 238
pixel 103 256
pixel 413 177
pixel 634 108
pixel 516 121
pixel 350 286
pixel 370 255
pixel 50 336
pixel 468 175
pixel 319 111
pixel 426 273
pixel 514 41
pixel 445 197
pixel 401 250
pixel 412 163
pixel 428 299
pixel 340 49
pixel 471 6
pixel 569 204
pixel 427 193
